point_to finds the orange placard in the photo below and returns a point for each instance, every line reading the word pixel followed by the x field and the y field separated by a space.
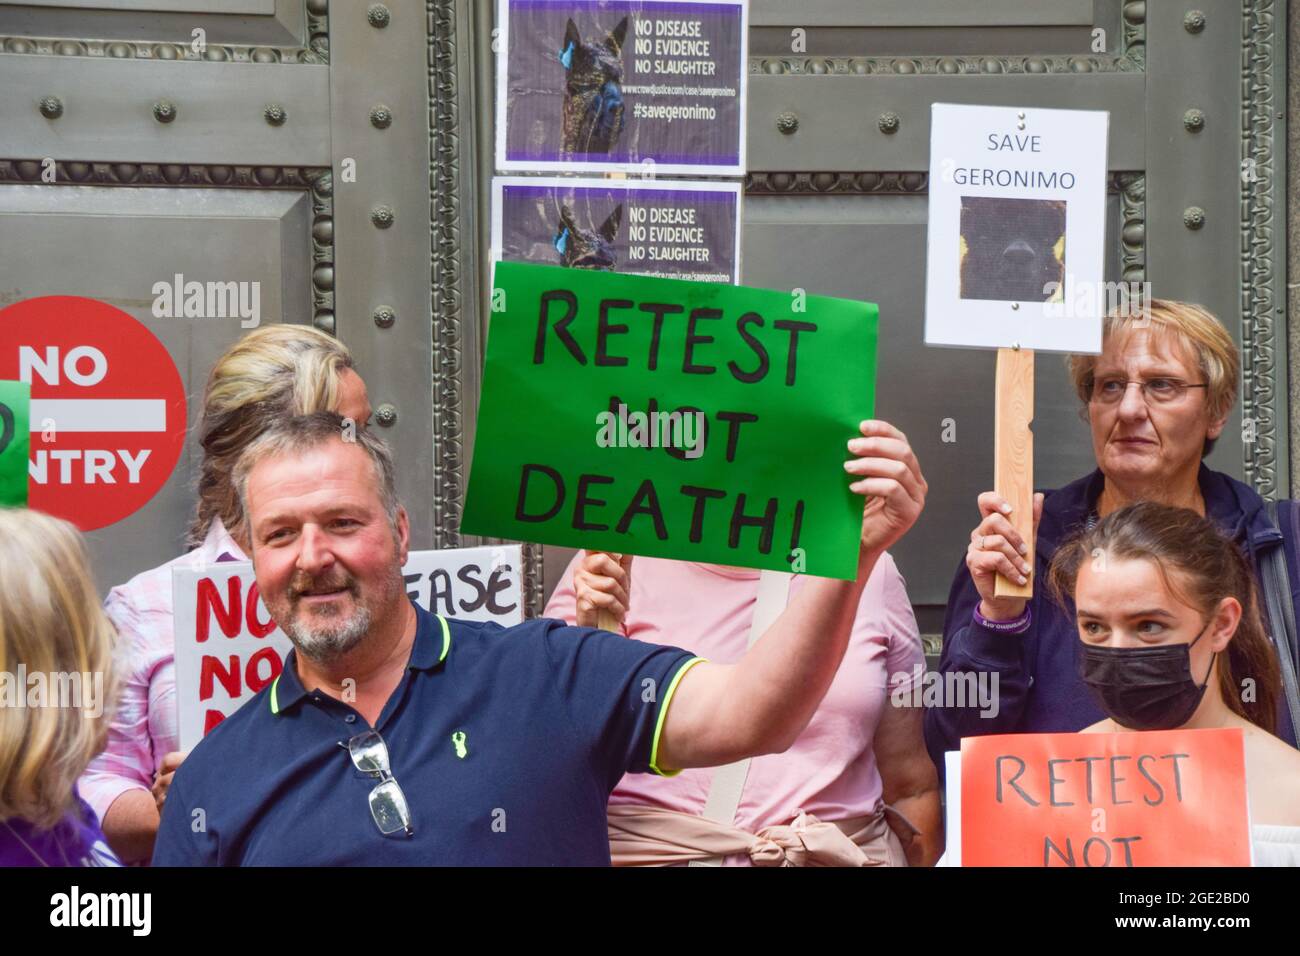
pixel 1160 798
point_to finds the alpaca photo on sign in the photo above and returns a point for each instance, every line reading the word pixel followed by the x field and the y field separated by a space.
pixel 593 91
pixel 581 248
pixel 1012 249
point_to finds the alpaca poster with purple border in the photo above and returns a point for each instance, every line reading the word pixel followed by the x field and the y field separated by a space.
pixel 637 86
pixel 677 230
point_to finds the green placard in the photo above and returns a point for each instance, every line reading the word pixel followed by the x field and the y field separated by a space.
pixel 15 442
pixel 583 370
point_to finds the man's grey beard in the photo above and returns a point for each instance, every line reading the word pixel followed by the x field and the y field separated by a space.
pixel 324 644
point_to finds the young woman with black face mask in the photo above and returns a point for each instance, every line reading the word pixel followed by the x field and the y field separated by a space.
pixel 1171 637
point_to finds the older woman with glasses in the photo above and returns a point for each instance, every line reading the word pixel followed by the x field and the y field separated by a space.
pixel 1156 398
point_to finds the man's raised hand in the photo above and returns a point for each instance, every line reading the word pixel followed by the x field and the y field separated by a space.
pixel 886 469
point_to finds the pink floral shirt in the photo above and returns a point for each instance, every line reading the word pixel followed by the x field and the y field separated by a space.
pixel 144 727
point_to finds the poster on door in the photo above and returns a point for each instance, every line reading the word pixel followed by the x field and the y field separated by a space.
pixel 644 86
pixel 677 230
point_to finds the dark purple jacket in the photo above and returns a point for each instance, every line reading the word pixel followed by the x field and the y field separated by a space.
pixel 76 840
pixel 1039 690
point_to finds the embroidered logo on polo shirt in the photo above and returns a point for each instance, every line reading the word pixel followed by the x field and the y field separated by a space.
pixel 458 741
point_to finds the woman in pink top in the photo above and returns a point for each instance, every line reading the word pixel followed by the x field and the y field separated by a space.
pixel 272 372
pixel 858 774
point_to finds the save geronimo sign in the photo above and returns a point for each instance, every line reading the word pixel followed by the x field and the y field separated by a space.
pixel 1016 233
pixel 670 418
pixel 107 414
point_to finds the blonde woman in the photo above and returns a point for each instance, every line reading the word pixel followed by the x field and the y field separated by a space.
pixel 272 373
pixel 56 647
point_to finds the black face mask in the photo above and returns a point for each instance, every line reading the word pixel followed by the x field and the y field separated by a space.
pixel 1144 688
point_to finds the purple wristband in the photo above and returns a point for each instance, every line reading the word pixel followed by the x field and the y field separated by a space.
pixel 1017 625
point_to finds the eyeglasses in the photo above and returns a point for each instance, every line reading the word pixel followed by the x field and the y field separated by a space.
pixel 1157 391
pixel 388 805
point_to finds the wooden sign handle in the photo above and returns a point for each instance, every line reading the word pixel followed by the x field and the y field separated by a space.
pixel 1013 462
pixel 607 620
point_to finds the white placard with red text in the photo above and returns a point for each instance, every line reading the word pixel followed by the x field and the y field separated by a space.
pixel 228 648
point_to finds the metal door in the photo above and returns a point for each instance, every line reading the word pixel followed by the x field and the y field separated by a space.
pixel 266 141
pixel 836 202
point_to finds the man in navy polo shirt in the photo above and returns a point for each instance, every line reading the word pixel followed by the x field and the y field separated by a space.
pixel 394 736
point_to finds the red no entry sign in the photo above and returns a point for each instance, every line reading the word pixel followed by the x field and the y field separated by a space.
pixel 108 407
